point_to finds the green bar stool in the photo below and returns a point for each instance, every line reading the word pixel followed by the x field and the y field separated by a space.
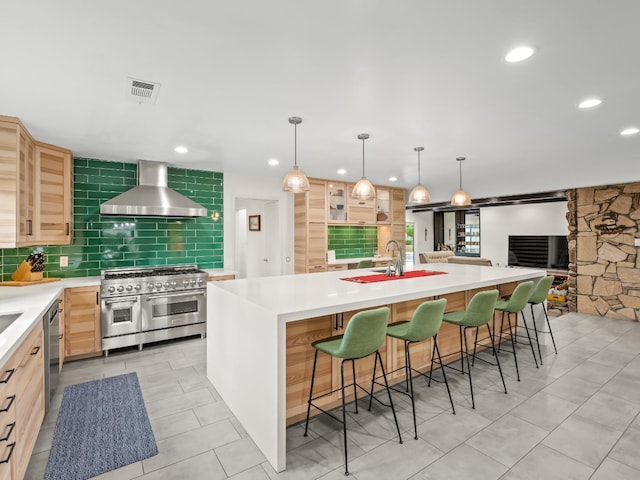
pixel 365 264
pixel 479 313
pixel 364 335
pixel 538 297
pixel 424 324
pixel 516 304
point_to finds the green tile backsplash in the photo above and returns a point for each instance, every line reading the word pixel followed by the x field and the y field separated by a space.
pixel 351 241
pixel 108 242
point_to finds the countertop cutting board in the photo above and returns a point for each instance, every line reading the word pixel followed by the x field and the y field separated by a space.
pixel 14 283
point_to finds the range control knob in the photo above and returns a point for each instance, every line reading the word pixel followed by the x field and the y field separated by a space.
pixel 166 284
pixel 193 282
pixel 158 285
pixel 185 283
pixel 111 289
pixel 174 284
pixel 200 281
pixel 121 288
pixel 129 288
pixel 150 286
pixel 137 287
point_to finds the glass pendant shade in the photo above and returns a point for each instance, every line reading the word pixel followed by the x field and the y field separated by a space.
pixel 419 194
pixel 363 190
pixel 295 181
pixel 460 198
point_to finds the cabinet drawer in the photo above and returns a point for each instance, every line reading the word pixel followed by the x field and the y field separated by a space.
pixel 361 215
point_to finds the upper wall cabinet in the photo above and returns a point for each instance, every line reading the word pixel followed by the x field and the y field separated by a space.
pixel 342 208
pixel 35 189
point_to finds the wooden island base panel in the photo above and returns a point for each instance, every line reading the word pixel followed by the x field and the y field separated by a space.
pixel 260 331
pixel 300 353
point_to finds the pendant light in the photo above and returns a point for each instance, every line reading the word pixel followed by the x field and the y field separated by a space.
pixel 363 190
pixel 419 194
pixel 295 181
pixel 460 198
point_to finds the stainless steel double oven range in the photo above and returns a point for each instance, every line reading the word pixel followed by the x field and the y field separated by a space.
pixel 149 304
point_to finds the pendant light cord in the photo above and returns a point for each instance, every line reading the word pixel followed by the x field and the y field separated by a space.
pixel 295 144
pixel 460 161
pixel 363 157
pixel 419 176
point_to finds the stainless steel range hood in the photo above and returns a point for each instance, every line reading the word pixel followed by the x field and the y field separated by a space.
pixel 152 197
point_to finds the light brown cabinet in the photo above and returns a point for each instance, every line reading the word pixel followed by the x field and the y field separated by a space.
pixel 35 189
pixel 82 334
pixel 53 195
pixel 360 212
pixel 330 203
pixel 310 217
pixel 22 399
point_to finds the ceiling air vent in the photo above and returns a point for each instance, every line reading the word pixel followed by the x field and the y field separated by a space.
pixel 142 91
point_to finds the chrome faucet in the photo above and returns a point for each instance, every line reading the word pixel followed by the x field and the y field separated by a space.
pixel 399 265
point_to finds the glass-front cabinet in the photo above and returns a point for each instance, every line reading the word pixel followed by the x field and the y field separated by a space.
pixel 383 206
pixel 337 202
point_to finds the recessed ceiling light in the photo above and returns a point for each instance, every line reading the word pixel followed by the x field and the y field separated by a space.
pixel 393 179
pixel 181 149
pixel 630 131
pixel 518 54
pixel 273 162
pixel 341 171
pixel 590 102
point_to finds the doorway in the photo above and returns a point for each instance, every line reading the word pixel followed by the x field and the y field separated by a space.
pixel 258 238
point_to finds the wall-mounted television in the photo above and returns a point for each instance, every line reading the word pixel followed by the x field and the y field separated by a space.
pixel 539 251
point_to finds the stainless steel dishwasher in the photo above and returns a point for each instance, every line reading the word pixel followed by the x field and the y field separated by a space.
pixel 51 324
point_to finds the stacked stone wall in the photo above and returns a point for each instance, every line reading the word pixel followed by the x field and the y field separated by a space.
pixel 604 265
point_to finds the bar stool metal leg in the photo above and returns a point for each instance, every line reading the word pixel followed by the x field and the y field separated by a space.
pixel 524 321
pixel 344 419
pixel 444 375
pixel 313 377
pixel 513 343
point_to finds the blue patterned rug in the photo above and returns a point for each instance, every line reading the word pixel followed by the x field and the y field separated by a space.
pixel 102 425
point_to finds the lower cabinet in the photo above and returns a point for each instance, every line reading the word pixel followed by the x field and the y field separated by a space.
pixel 82 334
pixel 21 404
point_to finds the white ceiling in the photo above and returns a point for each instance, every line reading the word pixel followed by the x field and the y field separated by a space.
pixel 409 73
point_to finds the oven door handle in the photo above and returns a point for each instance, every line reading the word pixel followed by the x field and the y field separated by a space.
pixel 180 294
pixel 121 300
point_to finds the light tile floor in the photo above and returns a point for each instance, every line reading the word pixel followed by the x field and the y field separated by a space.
pixel 575 417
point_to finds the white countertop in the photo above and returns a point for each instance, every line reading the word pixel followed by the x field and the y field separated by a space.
pixel 294 297
pixel 218 272
pixel 348 261
pixel 32 301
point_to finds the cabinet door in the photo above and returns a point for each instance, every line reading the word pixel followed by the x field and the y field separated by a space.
pixel 336 201
pixel 317 201
pixel 383 206
pixel 397 205
pixel 53 195
pixel 82 322
pixel 360 212
pixel 29 399
pixel 26 188
pixel 317 247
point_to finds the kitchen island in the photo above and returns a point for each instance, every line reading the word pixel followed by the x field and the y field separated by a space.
pixel 260 330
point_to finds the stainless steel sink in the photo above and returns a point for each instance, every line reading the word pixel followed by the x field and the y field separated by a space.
pixel 6 320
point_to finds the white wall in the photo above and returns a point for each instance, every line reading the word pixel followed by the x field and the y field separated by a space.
pixel 257 188
pixel 421 220
pixel 497 223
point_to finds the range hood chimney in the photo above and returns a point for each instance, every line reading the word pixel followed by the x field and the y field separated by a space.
pixel 152 197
